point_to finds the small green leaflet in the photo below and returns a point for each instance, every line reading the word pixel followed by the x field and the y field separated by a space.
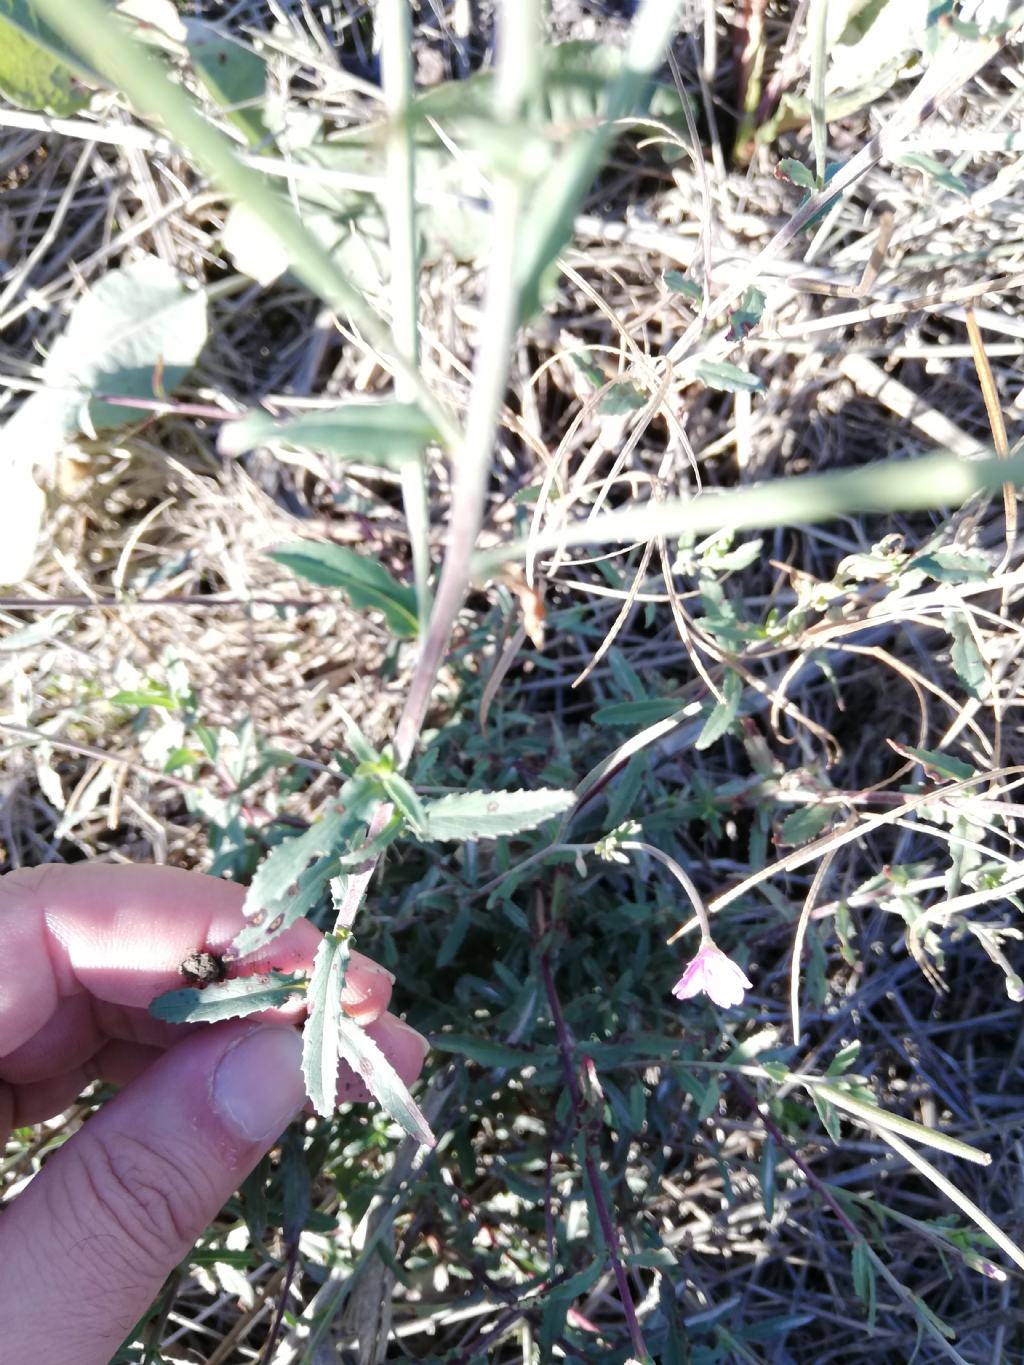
pixel 804 824
pixel 489 815
pixel 321 1037
pixel 935 170
pixel 367 583
pixel 679 284
pixel 382 1080
pixel 965 655
pixel 936 764
pixel 796 173
pixel 724 712
pixel 228 999
pixel 746 317
pixel 727 378
pixel 387 433
pixel 285 887
pixel 646 712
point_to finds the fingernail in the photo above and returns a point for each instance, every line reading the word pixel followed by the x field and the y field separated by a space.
pixel 258 1087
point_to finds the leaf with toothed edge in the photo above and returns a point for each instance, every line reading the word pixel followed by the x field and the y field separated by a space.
pixel 232 999
pixel 285 887
pixel 382 1080
pixel 489 815
pixel 321 1038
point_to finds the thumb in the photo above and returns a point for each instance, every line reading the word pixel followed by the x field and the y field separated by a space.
pixel 88 1245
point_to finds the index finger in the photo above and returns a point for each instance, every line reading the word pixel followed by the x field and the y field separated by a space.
pixel 119 932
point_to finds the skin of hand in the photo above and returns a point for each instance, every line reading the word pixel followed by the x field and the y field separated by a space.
pixel 84 948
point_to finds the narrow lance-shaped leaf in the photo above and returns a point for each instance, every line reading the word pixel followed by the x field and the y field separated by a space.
pixel 367 583
pixel 321 1037
pixel 228 999
pixel 489 815
pixel 382 1080
pixel 388 433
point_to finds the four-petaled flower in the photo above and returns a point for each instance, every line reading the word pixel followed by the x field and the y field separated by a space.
pixel 714 974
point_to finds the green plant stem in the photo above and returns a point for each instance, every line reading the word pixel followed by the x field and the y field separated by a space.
pixel 518 36
pixel 609 1232
pixel 683 878
pixel 519 31
pixel 556 200
pixel 819 59
pixel 90 28
pixel 940 480
pixel 400 208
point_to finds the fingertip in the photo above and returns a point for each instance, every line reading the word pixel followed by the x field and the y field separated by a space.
pixel 367 992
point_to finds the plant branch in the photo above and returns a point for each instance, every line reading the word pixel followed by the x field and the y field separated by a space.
pixel 608 1229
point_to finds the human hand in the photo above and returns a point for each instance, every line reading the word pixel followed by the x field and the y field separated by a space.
pixel 83 950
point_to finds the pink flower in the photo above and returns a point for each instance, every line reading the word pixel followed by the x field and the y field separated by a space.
pixel 714 974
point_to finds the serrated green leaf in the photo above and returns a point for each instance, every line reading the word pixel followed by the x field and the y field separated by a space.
pixel 232 999
pixel 940 765
pixel 804 824
pixel 827 1114
pixel 744 318
pixel 840 1096
pixel 367 583
pixel 144 697
pixel 844 1059
pixel 285 887
pixel 640 713
pixel 387 433
pixel 489 815
pixel 679 284
pixel 723 713
pixel 321 1037
pixel 951 566
pixel 796 173
pixel 719 374
pixel 382 1080
pixel 965 655
pixel 403 796
pixel 864 1278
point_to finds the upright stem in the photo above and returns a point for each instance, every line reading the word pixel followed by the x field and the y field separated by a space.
pixel 400 207
pixel 609 1232
pixel 515 79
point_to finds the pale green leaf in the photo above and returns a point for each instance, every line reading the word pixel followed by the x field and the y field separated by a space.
pixel 965 655
pixel 232 999
pixel 377 433
pixel 321 1037
pixel 723 713
pixel 382 1080
pixel 489 815
pixel 641 713
pixel 720 374
pixel 135 334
